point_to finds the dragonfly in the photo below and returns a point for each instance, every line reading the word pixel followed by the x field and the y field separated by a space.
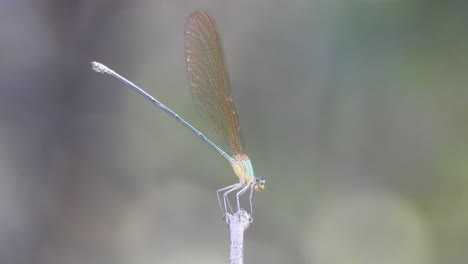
pixel 211 93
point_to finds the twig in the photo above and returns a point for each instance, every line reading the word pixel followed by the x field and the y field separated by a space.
pixel 238 223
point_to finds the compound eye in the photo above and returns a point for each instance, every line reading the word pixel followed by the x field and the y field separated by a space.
pixel 260 185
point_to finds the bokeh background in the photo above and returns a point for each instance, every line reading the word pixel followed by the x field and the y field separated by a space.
pixel 354 111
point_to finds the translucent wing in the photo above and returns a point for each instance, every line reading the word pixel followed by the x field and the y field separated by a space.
pixel 209 82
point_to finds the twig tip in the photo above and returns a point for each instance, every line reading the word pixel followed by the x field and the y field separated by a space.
pixel 242 217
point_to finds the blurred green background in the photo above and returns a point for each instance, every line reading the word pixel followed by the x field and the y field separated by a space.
pixel 354 111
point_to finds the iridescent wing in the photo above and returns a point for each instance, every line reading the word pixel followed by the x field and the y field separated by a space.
pixel 209 82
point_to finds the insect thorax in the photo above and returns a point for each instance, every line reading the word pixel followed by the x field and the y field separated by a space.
pixel 243 167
